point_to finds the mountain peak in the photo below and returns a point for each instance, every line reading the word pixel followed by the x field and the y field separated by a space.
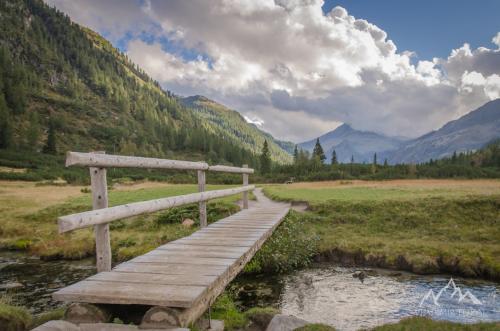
pixel 348 142
pixel 469 132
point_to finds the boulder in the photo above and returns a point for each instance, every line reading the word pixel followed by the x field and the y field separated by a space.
pixel 261 317
pixel 285 323
pixel 57 326
pixel 187 223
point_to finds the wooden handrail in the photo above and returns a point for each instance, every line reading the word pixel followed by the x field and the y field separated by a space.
pixel 106 215
pixel 101 214
pixel 120 161
pixel 222 168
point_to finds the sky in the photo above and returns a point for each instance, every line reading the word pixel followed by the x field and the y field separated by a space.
pixel 300 68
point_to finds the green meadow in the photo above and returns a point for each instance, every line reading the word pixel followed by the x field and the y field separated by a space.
pixel 420 226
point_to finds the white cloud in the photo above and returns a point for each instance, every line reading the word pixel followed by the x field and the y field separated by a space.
pixel 254 120
pixel 496 39
pixel 302 71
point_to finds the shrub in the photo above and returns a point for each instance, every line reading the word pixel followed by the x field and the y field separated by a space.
pixel 289 248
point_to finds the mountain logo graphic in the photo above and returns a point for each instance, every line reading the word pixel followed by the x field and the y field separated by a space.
pixel 456 292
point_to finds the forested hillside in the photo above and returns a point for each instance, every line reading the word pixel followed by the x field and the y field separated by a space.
pixel 65 87
pixel 225 122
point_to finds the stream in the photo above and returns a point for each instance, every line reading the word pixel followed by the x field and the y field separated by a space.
pixel 323 293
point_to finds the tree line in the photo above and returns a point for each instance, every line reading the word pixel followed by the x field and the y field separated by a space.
pixel 484 163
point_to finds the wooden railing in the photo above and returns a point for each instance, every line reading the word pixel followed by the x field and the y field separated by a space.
pixel 102 215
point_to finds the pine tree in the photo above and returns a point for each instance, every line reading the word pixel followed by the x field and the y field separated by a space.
pixel 50 146
pixel 295 154
pixel 265 159
pixel 334 158
pixel 318 152
pixel 385 162
pixel 5 124
pixel 374 164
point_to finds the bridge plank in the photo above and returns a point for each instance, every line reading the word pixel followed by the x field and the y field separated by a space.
pixel 152 278
pixel 129 293
pixel 170 268
pixel 183 260
pixel 197 253
pixel 179 246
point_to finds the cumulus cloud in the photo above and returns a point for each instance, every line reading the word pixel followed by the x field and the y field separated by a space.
pixel 301 71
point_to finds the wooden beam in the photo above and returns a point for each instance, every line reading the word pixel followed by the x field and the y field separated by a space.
pixel 119 161
pixel 99 188
pixel 103 216
pixel 203 204
pixel 245 183
pixel 221 168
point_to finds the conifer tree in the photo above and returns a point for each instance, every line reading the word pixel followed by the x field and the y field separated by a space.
pixel 374 164
pixel 265 159
pixel 295 154
pixel 5 124
pixel 50 146
pixel 334 158
pixel 318 152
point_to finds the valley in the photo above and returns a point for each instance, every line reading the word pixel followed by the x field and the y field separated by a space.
pixel 374 220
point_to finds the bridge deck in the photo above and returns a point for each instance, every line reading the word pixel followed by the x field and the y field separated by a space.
pixel 186 272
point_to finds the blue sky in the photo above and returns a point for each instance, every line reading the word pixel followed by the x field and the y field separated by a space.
pixel 431 28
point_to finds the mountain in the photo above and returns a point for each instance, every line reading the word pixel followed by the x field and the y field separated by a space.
pixel 63 86
pixel 229 124
pixel 348 142
pixel 470 132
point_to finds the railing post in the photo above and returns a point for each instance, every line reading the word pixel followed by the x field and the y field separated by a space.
pixel 202 204
pixel 245 183
pixel 100 200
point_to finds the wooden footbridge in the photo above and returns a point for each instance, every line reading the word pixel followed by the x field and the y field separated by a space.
pixel 181 279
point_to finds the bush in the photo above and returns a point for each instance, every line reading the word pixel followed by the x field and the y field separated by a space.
pixel 225 309
pixel 289 248
pixel 14 318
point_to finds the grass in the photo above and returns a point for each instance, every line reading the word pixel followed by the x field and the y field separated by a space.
pixel 318 192
pixel 29 214
pixel 13 318
pixel 424 228
pixel 425 324
pixel 16 318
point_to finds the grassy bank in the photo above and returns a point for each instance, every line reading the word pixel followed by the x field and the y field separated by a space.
pixel 29 214
pixel 419 226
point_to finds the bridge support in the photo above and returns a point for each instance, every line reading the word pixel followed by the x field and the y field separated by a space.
pixel 245 183
pixel 77 313
pixel 161 318
pixel 203 204
pixel 99 188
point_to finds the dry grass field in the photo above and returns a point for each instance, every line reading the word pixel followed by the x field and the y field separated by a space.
pixel 28 214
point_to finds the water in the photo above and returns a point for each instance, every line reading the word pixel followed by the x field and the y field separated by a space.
pixel 324 293
pixel 34 280
pixel 331 295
